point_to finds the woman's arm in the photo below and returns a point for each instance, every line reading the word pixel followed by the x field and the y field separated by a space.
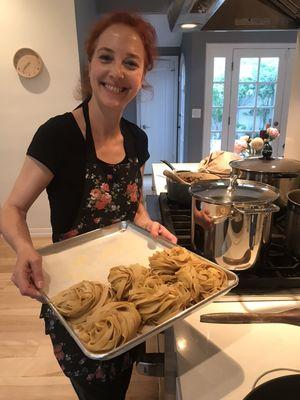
pixel 32 180
pixel 143 220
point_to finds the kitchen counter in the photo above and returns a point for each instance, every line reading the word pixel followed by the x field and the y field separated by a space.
pixel 223 361
pixel 158 178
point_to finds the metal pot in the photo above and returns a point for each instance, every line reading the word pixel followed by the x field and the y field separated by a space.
pixel 178 189
pixel 293 223
pixel 241 221
pixel 282 173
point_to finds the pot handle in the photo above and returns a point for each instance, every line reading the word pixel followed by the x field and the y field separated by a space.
pixel 270 209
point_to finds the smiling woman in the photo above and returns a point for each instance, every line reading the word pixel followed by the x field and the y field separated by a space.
pixel 91 162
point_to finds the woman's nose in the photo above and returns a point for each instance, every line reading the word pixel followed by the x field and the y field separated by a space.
pixel 117 71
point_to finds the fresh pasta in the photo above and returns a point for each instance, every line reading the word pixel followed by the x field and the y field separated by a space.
pixel 106 316
pixel 80 298
pixel 123 279
pixel 109 326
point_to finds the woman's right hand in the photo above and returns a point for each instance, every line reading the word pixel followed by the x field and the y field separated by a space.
pixel 27 274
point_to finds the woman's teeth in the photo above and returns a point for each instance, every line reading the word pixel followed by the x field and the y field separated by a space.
pixel 114 89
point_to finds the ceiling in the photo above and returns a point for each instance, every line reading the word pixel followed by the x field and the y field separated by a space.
pixel 141 6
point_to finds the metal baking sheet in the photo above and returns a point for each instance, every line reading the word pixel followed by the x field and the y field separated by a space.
pixel 90 257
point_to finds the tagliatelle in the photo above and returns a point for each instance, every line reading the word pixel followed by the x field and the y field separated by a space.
pixel 202 280
pixel 123 279
pixel 81 298
pixel 175 280
pixel 158 303
pixel 109 326
pixel 168 261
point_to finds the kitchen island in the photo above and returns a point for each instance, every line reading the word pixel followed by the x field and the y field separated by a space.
pixel 223 361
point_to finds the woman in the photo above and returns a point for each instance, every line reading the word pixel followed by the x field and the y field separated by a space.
pixel 91 163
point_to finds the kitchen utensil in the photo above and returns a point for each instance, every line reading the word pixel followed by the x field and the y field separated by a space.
pixel 178 188
pixel 174 177
pixel 241 221
pixel 293 223
pixel 172 166
pixel 279 172
pixel 291 316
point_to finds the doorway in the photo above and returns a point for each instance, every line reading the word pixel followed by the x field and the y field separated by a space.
pixel 245 88
pixel 157 111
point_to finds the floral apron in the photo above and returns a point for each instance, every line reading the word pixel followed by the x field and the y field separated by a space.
pixel 111 193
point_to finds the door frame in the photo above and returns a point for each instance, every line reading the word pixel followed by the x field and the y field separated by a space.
pixel 227 50
pixel 175 101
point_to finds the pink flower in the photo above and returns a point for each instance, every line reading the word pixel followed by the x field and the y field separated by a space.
pixel 273 133
pixel 133 197
pixel 131 187
pixel 97 220
pixel 95 193
pixel 105 187
pixel 104 200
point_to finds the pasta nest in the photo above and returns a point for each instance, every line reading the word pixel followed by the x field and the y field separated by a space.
pixel 109 326
pixel 201 279
pixel 168 261
pixel 80 298
pixel 123 279
pixel 158 303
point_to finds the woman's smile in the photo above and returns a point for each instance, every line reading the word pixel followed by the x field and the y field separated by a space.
pixel 113 88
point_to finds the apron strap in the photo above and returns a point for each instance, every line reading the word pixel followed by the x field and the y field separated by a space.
pixel 91 152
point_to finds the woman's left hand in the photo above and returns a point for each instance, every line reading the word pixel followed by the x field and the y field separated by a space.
pixel 156 229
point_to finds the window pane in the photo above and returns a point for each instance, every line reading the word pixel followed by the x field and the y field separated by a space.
pixel 218 95
pixel 215 141
pixel 266 95
pixel 263 116
pixel 248 69
pixel 268 70
pixel 245 119
pixel 219 69
pixel 246 94
pixel 239 134
pixel 216 119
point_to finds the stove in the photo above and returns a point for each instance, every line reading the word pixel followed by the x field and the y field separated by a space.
pixel 276 271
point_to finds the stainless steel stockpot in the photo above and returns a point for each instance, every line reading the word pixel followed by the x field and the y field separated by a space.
pixel 282 173
pixel 293 223
pixel 241 218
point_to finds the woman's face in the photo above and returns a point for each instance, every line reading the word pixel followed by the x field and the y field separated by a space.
pixel 117 67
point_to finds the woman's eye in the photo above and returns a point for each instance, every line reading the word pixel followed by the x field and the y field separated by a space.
pixel 131 64
pixel 105 57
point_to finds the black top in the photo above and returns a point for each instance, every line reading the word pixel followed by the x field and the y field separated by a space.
pixel 60 146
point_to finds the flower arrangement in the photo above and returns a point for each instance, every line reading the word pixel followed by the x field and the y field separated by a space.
pixel 247 146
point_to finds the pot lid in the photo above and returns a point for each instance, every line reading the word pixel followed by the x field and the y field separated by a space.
pixel 280 166
pixel 246 192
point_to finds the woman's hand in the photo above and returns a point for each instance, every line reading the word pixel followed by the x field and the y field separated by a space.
pixel 203 218
pixel 156 229
pixel 27 274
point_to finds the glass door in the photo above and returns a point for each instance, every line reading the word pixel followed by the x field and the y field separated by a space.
pixel 258 77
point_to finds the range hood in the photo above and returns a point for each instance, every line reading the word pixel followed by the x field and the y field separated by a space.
pixel 213 15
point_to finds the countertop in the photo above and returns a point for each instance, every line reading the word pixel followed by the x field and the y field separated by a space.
pixel 223 361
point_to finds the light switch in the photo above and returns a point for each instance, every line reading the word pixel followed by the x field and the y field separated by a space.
pixel 196 113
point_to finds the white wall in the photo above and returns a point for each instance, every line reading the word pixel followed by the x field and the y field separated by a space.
pixel 292 142
pixel 49 28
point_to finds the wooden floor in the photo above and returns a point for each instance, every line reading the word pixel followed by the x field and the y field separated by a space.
pixel 28 368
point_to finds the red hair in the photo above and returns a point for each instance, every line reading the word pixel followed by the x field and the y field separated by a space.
pixel 143 28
